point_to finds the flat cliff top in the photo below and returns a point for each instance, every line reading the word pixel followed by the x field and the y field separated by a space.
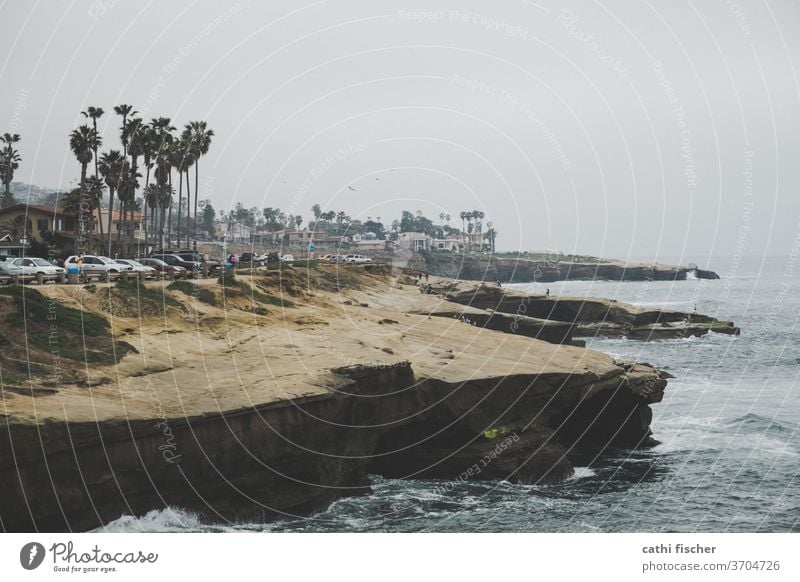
pixel 193 358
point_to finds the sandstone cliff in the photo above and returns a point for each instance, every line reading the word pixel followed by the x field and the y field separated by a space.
pixel 283 390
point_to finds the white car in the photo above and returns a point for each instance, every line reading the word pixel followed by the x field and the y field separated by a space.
pixel 287 258
pixel 38 266
pixel 10 269
pixel 97 264
pixel 138 267
pixel 357 259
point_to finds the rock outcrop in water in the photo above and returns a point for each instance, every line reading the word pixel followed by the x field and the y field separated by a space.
pixel 524 270
pixel 584 317
pixel 240 409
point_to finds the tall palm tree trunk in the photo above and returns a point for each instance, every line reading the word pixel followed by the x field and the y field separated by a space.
pixel 110 216
pixel 121 223
pixel 78 234
pixel 196 192
pixel 180 200
pixel 144 214
pixel 188 206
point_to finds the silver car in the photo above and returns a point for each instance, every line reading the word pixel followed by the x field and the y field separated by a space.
pixel 38 266
pixel 138 267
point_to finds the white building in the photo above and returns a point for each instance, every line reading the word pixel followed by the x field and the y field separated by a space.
pixel 234 232
pixel 414 241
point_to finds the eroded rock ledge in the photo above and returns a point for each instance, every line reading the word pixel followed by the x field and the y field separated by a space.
pixel 297 456
pixel 524 270
pixel 578 316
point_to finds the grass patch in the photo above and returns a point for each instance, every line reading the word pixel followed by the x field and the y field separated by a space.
pixel 65 332
pixel 203 294
pixel 133 299
pixel 254 293
pixel 305 264
pixel 184 287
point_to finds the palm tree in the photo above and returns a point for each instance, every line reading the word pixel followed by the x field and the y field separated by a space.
pixel 200 143
pixel 83 142
pixel 165 193
pixel 128 185
pixel 151 201
pixel 112 167
pixel 478 216
pixel 124 111
pixel 163 167
pixel 94 113
pixel 191 160
pixel 94 196
pixel 9 162
pixel 491 235
pixel 135 136
pixel 182 160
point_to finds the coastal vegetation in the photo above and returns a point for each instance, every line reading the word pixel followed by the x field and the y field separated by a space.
pixel 137 179
pixel 9 162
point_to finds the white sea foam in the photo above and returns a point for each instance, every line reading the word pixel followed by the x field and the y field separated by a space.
pixel 159 520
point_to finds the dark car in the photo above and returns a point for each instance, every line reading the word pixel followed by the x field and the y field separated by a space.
pixel 188 255
pixel 170 259
pixel 162 267
pixel 250 259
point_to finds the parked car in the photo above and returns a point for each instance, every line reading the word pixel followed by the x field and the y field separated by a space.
pixel 177 261
pixel 287 259
pixel 188 255
pixel 106 267
pixel 357 259
pixel 8 268
pixel 138 267
pixel 38 266
pixel 160 266
pixel 251 259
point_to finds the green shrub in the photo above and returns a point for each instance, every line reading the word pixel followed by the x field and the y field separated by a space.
pixel 207 296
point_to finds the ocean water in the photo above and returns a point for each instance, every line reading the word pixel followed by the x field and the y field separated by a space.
pixel 729 433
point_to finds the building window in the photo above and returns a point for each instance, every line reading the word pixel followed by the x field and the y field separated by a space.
pixel 41 225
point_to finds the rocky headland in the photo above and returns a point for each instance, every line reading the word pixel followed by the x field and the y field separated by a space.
pixel 546 269
pixel 278 392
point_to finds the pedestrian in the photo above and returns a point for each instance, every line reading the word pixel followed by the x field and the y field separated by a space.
pixel 547 294
pixel 426 275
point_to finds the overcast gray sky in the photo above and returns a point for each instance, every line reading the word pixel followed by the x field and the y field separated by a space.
pixel 631 129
